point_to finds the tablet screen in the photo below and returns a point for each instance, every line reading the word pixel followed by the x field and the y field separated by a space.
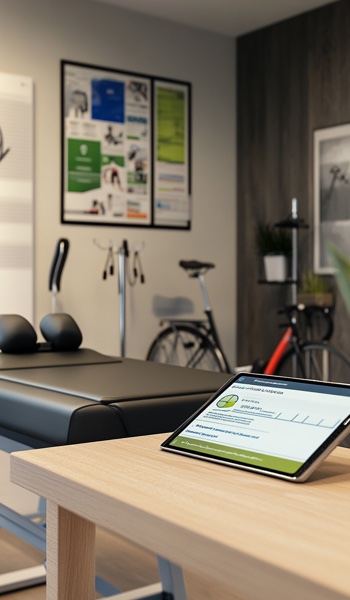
pixel 267 423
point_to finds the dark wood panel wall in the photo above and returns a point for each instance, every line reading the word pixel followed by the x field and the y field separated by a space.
pixel 292 78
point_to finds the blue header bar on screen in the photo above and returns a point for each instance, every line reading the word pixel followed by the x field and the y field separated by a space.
pixel 335 389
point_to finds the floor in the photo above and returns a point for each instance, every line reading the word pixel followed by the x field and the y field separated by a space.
pixel 119 562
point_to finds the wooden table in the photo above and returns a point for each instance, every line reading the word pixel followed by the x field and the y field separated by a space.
pixel 261 537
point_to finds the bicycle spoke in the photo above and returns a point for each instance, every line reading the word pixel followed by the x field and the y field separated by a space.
pixel 316 361
pixel 186 346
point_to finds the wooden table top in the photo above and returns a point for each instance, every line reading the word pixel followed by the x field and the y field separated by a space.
pixel 262 537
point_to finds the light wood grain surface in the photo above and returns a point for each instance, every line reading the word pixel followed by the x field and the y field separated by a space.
pixel 261 537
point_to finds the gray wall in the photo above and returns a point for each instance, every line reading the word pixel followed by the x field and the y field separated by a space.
pixel 34 36
pixel 292 78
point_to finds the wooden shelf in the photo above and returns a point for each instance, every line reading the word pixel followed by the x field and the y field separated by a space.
pixel 286 282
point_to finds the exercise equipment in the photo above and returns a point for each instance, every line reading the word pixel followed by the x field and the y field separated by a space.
pixel 124 276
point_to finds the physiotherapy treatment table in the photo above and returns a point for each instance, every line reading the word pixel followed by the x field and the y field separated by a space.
pixel 59 398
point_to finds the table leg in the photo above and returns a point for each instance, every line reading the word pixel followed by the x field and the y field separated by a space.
pixel 172 579
pixel 70 555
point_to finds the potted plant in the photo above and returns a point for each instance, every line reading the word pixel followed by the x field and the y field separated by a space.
pixel 275 246
pixel 315 290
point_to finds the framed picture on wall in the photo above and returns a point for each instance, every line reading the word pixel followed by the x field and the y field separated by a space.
pixel 331 194
pixel 126 148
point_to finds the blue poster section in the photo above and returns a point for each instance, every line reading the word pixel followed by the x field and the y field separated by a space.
pixel 108 100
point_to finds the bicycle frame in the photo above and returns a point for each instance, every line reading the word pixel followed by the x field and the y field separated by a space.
pixel 212 326
pixel 280 349
pixel 291 337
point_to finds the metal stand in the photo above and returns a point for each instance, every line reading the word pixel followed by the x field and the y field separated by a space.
pixel 294 288
pixel 123 255
pixel 294 223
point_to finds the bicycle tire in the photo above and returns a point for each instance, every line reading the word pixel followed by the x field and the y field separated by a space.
pixel 185 346
pixel 310 363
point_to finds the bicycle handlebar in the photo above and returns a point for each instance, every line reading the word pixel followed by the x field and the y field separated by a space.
pixel 309 312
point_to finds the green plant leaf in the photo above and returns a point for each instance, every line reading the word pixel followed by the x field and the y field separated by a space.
pixel 271 239
pixel 311 283
pixel 342 265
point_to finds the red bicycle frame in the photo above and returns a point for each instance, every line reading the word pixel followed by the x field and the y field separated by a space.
pixel 280 349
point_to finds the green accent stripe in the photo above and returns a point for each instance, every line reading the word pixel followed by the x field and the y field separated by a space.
pixel 239 455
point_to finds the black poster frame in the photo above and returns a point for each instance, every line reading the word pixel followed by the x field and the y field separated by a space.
pixel 125 148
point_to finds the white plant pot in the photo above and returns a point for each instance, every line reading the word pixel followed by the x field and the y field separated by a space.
pixel 275 267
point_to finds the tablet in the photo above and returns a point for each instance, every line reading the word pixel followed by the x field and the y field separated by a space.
pixel 272 425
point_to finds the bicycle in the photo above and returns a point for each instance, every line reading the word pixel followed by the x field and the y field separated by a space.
pixel 308 359
pixel 191 342
pixel 196 343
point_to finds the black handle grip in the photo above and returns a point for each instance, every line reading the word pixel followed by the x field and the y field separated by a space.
pixel 58 263
pixel 126 248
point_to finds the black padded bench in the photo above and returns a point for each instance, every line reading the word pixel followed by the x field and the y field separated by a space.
pixel 56 398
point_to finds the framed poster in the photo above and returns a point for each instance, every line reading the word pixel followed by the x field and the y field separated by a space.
pixel 126 156
pixel 331 194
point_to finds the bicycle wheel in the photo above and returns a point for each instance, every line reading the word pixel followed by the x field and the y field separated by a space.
pixel 185 346
pixel 317 360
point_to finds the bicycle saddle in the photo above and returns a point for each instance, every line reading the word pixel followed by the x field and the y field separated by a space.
pixel 195 265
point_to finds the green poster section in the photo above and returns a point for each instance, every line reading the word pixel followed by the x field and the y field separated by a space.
pixel 237 454
pixel 171 136
pixel 84 165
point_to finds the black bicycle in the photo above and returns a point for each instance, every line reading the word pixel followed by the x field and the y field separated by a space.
pixel 190 342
